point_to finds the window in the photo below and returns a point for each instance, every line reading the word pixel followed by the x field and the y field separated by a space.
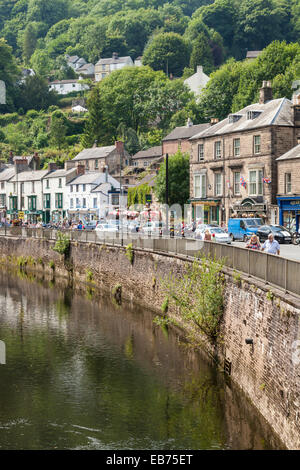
pixel 47 198
pixel 200 186
pixel 77 202
pixel 236 182
pixel 71 203
pixel 32 187
pixel 256 143
pixel 103 75
pixel 47 184
pixel 22 188
pixel 22 202
pixel 218 149
pixel 59 182
pixel 32 203
pixel 13 203
pixel 218 184
pixel 84 202
pixel 2 184
pixel 288 183
pixel 115 199
pixel 96 164
pixel 2 200
pixel 14 187
pixel 83 187
pixel 236 147
pixel 200 152
pixel 103 66
pixel 58 200
pixel 71 188
pixel 94 202
pixel 255 183
pixel 77 188
pixel 87 165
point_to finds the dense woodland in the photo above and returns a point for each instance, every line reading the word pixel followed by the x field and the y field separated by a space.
pixel 138 104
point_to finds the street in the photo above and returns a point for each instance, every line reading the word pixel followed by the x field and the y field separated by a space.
pixel 286 251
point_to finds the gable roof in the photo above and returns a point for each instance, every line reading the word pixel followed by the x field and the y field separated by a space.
pixel 252 54
pixel 113 60
pixel 7 173
pixel 93 177
pixel 151 152
pixel 185 132
pixel 291 154
pixel 30 175
pixel 277 112
pixel 60 173
pixel 95 152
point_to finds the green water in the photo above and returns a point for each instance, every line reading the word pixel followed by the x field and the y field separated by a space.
pixel 84 374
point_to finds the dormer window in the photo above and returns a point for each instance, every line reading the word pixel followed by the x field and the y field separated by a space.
pixel 253 114
pixel 234 118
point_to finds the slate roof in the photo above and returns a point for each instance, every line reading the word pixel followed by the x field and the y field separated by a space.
pixel 90 177
pixel 7 173
pixel 252 54
pixel 112 181
pixel 151 152
pixel 291 154
pixel 95 152
pixel 277 112
pixel 62 82
pixel 149 179
pixel 60 173
pixel 30 175
pixel 113 60
pixel 185 132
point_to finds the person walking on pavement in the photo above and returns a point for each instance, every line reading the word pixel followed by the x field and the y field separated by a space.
pixel 271 246
pixel 253 243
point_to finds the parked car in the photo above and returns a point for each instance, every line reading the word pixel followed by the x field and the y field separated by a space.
pixel 152 228
pixel 109 228
pixel 202 227
pixel 217 234
pixel 91 225
pixel 242 229
pixel 280 233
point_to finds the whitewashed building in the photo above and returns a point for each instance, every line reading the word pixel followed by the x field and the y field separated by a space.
pixel 197 81
pixel 63 87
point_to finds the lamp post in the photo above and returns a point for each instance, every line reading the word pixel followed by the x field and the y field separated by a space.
pixel 167 192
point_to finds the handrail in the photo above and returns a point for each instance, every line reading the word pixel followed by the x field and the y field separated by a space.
pixel 274 270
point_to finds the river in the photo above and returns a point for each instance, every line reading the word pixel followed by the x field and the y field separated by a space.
pixel 84 373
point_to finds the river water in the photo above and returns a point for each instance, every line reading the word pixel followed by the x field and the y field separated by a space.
pixel 83 373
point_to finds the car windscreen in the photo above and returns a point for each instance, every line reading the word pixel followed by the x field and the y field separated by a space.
pixel 217 230
pixel 279 228
pixel 250 223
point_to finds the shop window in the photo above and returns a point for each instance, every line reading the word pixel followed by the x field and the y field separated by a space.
pixel 288 183
pixel 2 200
pixel 115 199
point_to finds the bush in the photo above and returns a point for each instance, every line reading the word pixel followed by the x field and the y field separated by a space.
pixel 73 139
pixel 62 244
pixel 6 119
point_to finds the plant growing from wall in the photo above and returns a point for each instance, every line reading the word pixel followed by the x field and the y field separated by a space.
pixel 62 245
pixel 89 276
pixel 198 294
pixel 129 253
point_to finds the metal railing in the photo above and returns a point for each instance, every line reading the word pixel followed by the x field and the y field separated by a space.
pixel 274 270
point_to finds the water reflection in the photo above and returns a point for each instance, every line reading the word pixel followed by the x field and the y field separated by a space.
pixel 85 374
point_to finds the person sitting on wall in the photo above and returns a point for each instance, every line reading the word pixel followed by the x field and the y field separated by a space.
pixel 207 235
pixel 253 243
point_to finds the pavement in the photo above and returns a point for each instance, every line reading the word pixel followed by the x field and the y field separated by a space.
pixel 289 251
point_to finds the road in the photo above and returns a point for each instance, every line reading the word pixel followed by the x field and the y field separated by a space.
pixel 286 251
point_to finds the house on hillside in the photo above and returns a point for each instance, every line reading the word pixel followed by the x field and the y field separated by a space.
pixel 63 87
pixel 104 67
pixel 98 158
pixel 75 62
pixel 146 158
pixel 233 168
pixel 197 81
pixel 86 71
pixel 251 55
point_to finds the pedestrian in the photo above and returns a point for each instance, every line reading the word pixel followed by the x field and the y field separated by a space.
pixel 207 235
pixel 271 246
pixel 253 243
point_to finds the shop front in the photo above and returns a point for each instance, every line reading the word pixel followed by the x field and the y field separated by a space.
pixel 33 216
pixel 207 212
pixel 249 207
pixel 289 211
pixel 85 215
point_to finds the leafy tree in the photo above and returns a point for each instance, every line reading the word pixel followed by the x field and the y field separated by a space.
pixel 221 16
pixel 202 54
pixel 41 63
pixel 179 179
pixel 9 73
pixel 94 126
pixel 35 94
pixel 168 52
pixel 58 131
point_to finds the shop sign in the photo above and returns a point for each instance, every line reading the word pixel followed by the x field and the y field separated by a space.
pixel 21 215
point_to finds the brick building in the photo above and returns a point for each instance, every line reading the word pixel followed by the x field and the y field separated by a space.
pixel 233 167
pixel 179 137
pixel 288 197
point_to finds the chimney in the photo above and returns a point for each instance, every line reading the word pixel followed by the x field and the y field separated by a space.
pixel 11 158
pixel 265 93
pixel 189 123
pixel 119 146
pixel 52 166
pixel 115 55
pixel 36 161
pixel 21 164
pixel 200 69
pixel 80 170
pixel 296 110
pixel 95 144
pixel 105 170
pixel 213 121
pixel 69 164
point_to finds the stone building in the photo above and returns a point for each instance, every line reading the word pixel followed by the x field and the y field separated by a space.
pixel 146 158
pixel 288 196
pixel 179 137
pixel 233 163
pixel 104 67
pixel 98 158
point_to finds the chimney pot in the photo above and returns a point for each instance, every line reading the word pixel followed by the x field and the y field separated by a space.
pixel 199 69
pixel 80 170
pixel 265 93
pixel 214 121
pixel 119 146
pixel 52 166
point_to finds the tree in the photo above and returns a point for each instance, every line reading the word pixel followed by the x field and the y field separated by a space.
pixel 35 94
pixel 58 131
pixel 202 54
pixel 179 179
pixel 41 63
pixel 93 129
pixel 168 52
pixel 9 73
pixel 29 42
